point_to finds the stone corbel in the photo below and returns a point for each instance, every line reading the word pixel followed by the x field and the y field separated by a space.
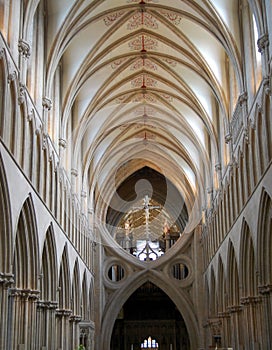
pixel 262 42
pixel 47 103
pixel 24 48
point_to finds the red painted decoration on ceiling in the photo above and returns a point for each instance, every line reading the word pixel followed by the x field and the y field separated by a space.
pixel 170 61
pixel 143 81
pixel 172 16
pixel 117 63
pixel 141 19
pixel 143 1
pixel 143 43
pixel 112 17
pixel 144 63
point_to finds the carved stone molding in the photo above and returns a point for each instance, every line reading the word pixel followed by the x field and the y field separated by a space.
pixel 250 300
pixel 48 305
pixel 234 308
pixel 62 143
pixel 63 312
pixel 224 314
pixel 262 42
pixel 215 325
pixel 6 278
pixel 75 318
pixel 47 103
pixel 24 48
pixel 24 293
pixel 22 94
pixel 265 289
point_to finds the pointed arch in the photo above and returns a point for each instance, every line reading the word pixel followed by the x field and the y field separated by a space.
pixel 64 287
pixel 49 267
pixel 212 295
pixel 247 265
pixel 76 290
pixel 26 254
pixel 265 239
pixel 178 297
pixel 221 286
pixel 232 277
pixel 5 223
pixel 84 299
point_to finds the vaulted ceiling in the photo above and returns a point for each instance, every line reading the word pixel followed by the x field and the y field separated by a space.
pixel 146 84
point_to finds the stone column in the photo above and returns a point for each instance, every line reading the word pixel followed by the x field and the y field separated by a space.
pixel 236 326
pixel 226 329
pixel 251 326
pixel 46 324
pixel 6 280
pixel 62 329
pixel 22 304
pixel 266 315
pixel 74 330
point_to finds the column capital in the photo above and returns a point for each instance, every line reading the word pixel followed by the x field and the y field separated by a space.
pixel 250 300
pixel 265 289
pixel 63 312
pixel 49 305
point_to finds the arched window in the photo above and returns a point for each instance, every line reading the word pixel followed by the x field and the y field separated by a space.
pixel 150 344
pixel 258 55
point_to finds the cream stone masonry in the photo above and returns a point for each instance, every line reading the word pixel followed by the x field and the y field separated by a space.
pixel 104 104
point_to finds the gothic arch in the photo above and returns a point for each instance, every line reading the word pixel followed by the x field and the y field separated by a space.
pixel 265 239
pixel 84 299
pixel 178 297
pixel 247 265
pixel 233 278
pixel 221 286
pixel 26 253
pixel 76 290
pixel 6 224
pixel 64 286
pixel 49 267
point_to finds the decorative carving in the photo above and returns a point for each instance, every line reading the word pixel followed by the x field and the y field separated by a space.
pixel 166 97
pixel 112 17
pixel 250 300
pixel 24 293
pixel 24 48
pixel 262 42
pixel 63 313
pixel 47 103
pixel 62 143
pixel 234 308
pixel 265 289
pixel 6 278
pixel 75 318
pixel 22 94
pixel 49 305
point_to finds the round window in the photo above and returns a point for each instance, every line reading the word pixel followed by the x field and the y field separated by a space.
pixel 180 271
pixel 116 273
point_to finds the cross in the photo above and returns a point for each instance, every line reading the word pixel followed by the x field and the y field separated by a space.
pixel 147 207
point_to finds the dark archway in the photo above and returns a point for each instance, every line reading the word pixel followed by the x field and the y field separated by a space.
pixel 149 313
